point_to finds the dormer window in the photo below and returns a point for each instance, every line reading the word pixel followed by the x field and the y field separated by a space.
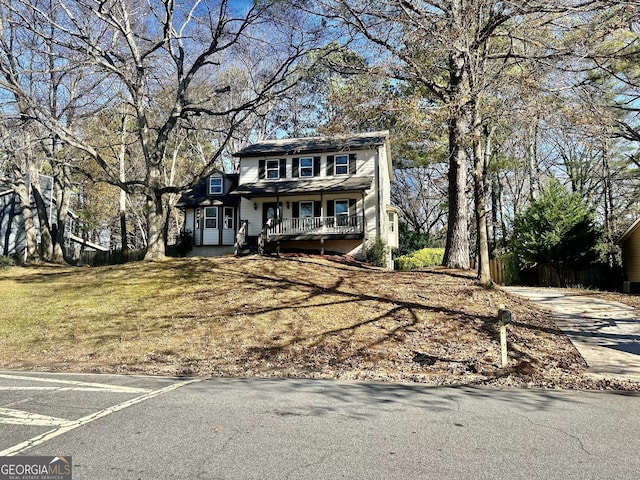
pixel 215 186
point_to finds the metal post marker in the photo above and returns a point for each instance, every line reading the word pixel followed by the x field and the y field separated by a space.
pixel 504 317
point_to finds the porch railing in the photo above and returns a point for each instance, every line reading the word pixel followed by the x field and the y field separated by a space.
pixel 316 226
pixel 241 237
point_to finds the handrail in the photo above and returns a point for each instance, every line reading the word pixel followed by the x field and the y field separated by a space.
pixel 315 225
pixel 264 236
pixel 241 237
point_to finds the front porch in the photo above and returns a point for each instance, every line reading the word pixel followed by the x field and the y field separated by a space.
pixel 314 228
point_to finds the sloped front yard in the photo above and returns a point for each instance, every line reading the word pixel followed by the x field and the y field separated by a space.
pixel 295 316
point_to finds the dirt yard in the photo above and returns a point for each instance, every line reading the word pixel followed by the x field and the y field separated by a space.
pixel 294 316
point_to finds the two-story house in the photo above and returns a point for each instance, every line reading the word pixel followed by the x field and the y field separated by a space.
pixel 324 194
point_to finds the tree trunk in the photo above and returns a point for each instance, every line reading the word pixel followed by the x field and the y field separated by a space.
pixel 46 242
pixel 480 196
pixel 21 188
pixel 155 228
pixel 63 199
pixel 123 194
pixel 532 161
pixel 123 220
pixel 495 215
pixel 609 217
pixel 456 253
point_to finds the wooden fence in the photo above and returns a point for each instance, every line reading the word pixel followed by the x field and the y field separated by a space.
pixel 95 258
pixel 496 267
pixel 598 276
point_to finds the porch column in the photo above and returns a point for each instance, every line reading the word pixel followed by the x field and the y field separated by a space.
pixel 363 216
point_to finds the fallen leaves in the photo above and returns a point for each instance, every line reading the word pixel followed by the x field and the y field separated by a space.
pixel 295 316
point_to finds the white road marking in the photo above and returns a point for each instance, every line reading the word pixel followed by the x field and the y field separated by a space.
pixel 60 389
pixel 73 424
pixel 9 416
pixel 100 386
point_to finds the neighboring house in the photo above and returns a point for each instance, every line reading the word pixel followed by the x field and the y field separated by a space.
pixel 12 231
pixel 211 214
pixel 630 244
pixel 324 194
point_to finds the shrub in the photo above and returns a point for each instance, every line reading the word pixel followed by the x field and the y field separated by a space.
pixel 511 269
pixel 426 257
pixel 6 263
pixel 411 241
pixel 185 245
pixel 377 252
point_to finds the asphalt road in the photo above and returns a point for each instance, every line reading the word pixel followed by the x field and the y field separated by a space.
pixel 123 427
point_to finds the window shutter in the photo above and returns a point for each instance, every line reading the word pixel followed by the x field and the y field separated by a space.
pixel 283 168
pixel 316 166
pixel 296 209
pixel 352 206
pixel 261 169
pixel 352 163
pixel 331 208
pixel 330 165
pixel 296 167
pixel 317 207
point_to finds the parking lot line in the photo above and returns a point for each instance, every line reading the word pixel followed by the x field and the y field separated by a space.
pixel 71 425
pixel 63 389
pixel 75 383
pixel 10 416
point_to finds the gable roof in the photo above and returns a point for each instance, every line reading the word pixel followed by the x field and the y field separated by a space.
pixel 634 226
pixel 295 146
pixel 199 195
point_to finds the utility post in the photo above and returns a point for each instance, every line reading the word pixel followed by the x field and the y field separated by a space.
pixel 504 317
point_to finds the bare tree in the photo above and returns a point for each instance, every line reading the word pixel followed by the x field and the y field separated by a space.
pixel 454 49
pixel 32 149
pixel 171 58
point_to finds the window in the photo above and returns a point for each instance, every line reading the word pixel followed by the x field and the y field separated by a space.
pixel 215 186
pixel 306 167
pixel 306 209
pixel 342 212
pixel 228 218
pixel 198 213
pixel 341 165
pixel 392 222
pixel 211 217
pixel 273 169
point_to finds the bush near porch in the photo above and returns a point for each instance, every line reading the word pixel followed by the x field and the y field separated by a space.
pixel 427 257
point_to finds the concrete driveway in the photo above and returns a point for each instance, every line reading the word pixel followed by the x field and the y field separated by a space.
pixel 607 334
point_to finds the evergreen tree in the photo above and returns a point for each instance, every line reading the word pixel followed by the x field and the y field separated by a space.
pixel 556 230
